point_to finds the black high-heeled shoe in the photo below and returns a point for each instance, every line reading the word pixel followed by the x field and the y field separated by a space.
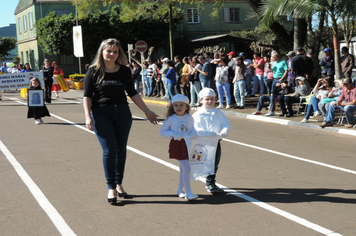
pixel 121 195
pixel 112 201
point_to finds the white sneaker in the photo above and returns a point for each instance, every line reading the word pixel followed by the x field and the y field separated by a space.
pixel 191 197
pixel 181 194
pixel 228 106
pixel 304 121
pixel 271 113
pixel 37 122
pixel 316 113
pixel 256 113
pixel 220 106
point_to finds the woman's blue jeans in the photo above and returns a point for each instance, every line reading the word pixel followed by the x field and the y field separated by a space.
pixel 258 80
pixel 195 88
pixel 112 128
pixel 313 106
pixel 224 88
pixel 239 92
pixel 171 90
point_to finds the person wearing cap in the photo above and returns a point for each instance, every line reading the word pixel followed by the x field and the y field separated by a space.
pixel 248 73
pixel 204 72
pixel 347 62
pixel 179 125
pixel 291 76
pixel 328 63
pixel 291 98
pixel 346 103
pixel 302 65
pixel 212 122
pixel 231 55
pixel 259 65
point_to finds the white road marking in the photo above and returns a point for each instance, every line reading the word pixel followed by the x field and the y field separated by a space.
pixel 263 205
pixel 52 213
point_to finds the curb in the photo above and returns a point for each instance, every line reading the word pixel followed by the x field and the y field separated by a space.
pixel 276 121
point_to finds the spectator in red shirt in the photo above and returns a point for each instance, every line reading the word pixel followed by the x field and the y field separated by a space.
pixel 259 65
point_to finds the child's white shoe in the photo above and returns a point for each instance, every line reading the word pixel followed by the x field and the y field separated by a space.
pixel 191 197
pixel 181 194
pixel 37 122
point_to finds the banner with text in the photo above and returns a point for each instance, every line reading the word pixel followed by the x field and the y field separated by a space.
pixel 19 80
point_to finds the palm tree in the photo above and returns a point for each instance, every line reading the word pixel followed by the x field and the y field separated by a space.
pixel 303 9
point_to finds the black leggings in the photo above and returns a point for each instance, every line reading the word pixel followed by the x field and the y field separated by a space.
pixel 48 89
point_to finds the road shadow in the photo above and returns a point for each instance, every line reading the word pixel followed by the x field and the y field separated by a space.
pixel 293 195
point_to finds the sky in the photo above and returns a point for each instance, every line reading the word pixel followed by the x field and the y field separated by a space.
pixel 7 10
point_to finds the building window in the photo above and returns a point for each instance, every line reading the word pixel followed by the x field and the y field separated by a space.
pixel 232 15
pixel 30 20
pixel 193 15
pixel 24 23
pixel 65 60
pixel 62 12
pixel 19 24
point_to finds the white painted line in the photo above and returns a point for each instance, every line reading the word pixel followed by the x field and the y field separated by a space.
pixel 291 156
pixel 265 206
pixel 52 213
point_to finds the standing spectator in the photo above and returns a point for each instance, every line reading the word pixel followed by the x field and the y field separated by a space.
pixel 291 76
pixel 347 62
pixel 171 80
pixel 107 111
pixel 259 65
pixel 231 55
pixel 268 74
pixel 136 75
pixel 163 71
pixel 178 68
pixel 207 56
pixel 3 69
pixel 47 71
pixel 152 74
pixel 328 63
pixel 346 102
pixel 214 63
pixel 302 66
pixel 205 72
pixel 248 73
pixel 20 68
pixel 280 70
pixel 239 83
pixel 222 82
pixel 186 70
pixel 147 81
pixel 195 85
pixel 56 71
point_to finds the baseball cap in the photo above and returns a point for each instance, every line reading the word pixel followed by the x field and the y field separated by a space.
pixel 241 54
pixel 327 50
pixel 300 49
pixel 165 59
pixel 347 81
pixel 232 53
pixel 291 53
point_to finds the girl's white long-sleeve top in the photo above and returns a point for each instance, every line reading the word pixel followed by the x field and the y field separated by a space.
pixel 178 126
pixel 212 120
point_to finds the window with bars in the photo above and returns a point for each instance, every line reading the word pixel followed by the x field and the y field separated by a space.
pixel 30 20
pixel 193 15
pixel 232 15
pixel 24 23
pixel 62 12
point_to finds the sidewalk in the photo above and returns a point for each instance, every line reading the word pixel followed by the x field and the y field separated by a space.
pixel 250 107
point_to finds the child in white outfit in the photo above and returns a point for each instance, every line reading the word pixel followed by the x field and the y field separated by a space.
pixel 179 125
pixel 210 121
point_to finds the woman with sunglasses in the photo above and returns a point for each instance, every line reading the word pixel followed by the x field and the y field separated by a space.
pixel 47 71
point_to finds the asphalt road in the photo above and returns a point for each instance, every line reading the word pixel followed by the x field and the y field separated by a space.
pixel 278 180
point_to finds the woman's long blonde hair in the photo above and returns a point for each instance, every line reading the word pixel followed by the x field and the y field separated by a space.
pixel 98 63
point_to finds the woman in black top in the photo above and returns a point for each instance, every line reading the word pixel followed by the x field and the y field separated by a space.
pixel 107 111
pixel 47 70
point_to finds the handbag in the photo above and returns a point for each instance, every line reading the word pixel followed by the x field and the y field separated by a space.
pixel 327 100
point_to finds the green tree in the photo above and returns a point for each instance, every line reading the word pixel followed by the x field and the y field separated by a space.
pixel 6 45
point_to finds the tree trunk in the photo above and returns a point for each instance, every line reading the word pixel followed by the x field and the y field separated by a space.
pixel 296 27
pixel 336 48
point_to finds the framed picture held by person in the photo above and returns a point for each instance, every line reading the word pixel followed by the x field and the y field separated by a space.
pixel 35 98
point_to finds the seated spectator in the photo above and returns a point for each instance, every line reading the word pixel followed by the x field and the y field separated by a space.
pixel 326 90
pixel 222 82
pixel 279 90
pixel 346 102
pixel 323 105
pixel 301 90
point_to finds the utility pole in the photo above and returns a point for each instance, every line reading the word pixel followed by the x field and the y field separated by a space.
pixel 171 30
